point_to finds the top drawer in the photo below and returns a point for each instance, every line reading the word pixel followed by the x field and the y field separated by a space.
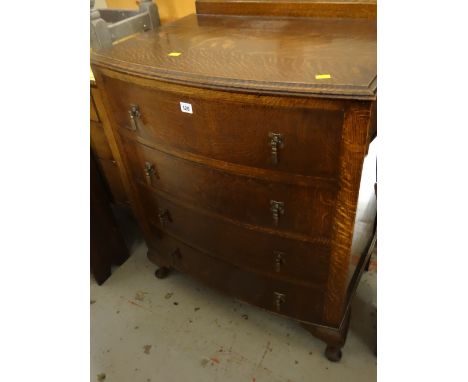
pixel 265 132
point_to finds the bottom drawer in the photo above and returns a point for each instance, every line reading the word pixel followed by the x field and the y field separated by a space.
pixel 292 300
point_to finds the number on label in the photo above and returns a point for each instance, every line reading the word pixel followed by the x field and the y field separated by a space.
pixel 186 107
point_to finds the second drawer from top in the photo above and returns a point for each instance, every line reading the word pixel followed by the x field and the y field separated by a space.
pixel 299 210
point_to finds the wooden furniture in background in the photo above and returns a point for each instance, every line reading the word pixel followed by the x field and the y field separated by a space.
pixel 241 141
pixel 107 244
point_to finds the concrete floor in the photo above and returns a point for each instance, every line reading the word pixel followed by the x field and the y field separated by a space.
pixel 150 330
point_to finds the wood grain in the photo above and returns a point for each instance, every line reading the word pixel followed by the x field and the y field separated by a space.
pixel 290 8
pixel 111 173
pixel 353 149
pixel 212 215
pixel 256 54
pixel 272 175
pixel 101 101
pixel 249 287
pixel 242 246
pixel 99 143
pixel 236 197
pixel 107 246
pixel 101 150
pixel 305 129
pixel 204 211
pixel 92 111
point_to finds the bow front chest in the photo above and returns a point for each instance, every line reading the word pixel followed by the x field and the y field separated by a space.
pixel 241 142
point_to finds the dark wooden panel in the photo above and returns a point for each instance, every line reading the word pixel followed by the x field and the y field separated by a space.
pixel 107 246
pixel 290 8
pixel 236 197
pixel 247 248
pixel 114 181
pixel 263 55
pixel 236 132
pixel 99 142
pixel 372 133
pixel 236 282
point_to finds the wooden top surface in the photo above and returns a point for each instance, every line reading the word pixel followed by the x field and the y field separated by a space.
pixel 268 55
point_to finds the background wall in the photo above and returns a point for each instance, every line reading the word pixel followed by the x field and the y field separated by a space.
pixel 169 10
pixel 100 4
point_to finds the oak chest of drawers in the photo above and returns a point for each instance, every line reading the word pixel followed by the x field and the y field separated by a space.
pixel 241 142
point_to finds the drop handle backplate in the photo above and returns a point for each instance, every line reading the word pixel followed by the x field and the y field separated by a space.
pixel 134 114
pixel 279 299
pixel 277 209
pixel 149 172
pixel 276 142
pixel 164 216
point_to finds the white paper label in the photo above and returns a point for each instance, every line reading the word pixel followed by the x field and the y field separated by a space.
pixel 186 107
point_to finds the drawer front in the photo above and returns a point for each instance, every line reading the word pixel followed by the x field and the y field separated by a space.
pixel 114 181
pixel 256 251
pixel 99 142
pixel 253 201
pixel 296 301
pixel 253 131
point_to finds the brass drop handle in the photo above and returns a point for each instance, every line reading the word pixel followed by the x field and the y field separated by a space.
pixel 277 209
pixel 149 172
pixel 280 299
pixel 276 142
pixel 164 216
pixel 279 260
pixel 134 113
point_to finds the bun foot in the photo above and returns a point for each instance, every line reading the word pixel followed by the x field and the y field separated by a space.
pixel 333 353
pixel 334 338
pixel 162 272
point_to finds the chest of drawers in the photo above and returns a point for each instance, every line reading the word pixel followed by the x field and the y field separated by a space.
pixel 241 142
